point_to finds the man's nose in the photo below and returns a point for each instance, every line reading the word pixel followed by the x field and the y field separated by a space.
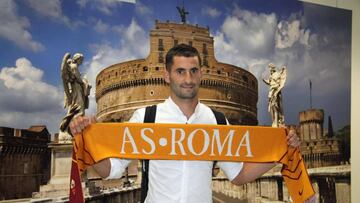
pixel 188 77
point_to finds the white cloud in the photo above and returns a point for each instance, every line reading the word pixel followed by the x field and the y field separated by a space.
pixel 14 27
pixel 289 33
pixel 47 8
pixel 253 31
pixel 82 3
pixel 133 36
pixel 53 10
pixel 107 7
pixel 322 57
pixel 105 54
pixel 212 12
pixel 252 40
pixel 101 27
pixel 246 39
pixel 128 1
pixel 142 10
pixel 26 99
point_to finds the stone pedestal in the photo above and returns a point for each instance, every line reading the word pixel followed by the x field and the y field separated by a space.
pixel 61 155
pixel 58 186
pixel 59 183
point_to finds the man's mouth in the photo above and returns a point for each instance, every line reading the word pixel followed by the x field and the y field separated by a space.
pixel 188 87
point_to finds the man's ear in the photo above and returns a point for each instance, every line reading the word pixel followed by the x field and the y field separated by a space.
pixel 167 76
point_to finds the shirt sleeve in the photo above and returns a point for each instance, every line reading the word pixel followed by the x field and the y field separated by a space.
pixel 231 169
pixel 138 116
pixel 118 166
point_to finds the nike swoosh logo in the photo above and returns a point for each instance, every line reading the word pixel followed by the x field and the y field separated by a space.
pixel 301 192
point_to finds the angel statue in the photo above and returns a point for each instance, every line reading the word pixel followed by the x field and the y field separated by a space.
pixel 182 13
pixel 276 82
pixel 76 90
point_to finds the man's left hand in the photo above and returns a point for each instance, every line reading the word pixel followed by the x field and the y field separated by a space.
pixel 292 138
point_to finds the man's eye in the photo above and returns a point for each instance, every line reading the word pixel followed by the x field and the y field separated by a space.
pixel 180 71
pixel 194 70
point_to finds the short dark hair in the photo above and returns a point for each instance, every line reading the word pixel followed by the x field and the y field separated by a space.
pixel 180 50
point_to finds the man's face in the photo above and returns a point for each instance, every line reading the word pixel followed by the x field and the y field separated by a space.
pixel 184 77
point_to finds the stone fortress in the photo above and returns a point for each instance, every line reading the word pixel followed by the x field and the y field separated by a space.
pixel 24 161
pixel 124 87
pixel 318 148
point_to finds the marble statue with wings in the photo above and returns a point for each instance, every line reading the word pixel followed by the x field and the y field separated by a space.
pixel 276 83
pixel 76 89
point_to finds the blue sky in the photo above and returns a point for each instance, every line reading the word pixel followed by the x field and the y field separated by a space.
pixel 313 41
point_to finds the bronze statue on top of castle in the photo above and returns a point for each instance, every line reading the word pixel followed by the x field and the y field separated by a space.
pixel 76 89
pixel 276 82
pixel 182 13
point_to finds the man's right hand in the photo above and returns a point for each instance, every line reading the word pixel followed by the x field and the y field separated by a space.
pixel 79 123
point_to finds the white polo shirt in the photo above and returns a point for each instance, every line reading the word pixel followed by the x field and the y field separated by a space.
pixel 176 180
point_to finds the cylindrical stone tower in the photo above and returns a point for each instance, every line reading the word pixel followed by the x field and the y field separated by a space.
pixel 317 149
pixel 311 124
pixel 124 87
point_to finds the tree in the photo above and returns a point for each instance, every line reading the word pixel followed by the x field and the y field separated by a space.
pixel 344 135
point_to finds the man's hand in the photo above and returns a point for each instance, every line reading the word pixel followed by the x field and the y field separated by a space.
pixel 78 124
pixel 292 138
pixel 312 199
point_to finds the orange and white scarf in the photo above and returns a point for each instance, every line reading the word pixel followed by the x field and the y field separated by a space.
pixel 195 142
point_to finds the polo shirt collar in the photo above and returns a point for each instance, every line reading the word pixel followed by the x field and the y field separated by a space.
pixel 176 109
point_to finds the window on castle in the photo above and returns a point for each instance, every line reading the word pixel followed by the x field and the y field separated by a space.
pixel 145 68
pixel 176 42
pixel 161 45
pixel 245 78
pixel 26 168
pixel 99 82
pixel 190 43
pixel 205 61
pixel 161 57
pixel 204 49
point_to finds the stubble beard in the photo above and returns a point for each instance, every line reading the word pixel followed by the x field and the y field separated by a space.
pixel 181 93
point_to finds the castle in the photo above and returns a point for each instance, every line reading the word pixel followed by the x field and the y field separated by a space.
pixel 124 87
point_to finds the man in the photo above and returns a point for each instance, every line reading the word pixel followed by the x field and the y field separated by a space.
pixel 178 180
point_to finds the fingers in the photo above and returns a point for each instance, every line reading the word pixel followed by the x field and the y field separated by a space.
pixel 312 199
pixel 78 124
pixel 293 139
pixel 93 119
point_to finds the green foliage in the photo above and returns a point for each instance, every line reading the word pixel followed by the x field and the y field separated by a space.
pixel 344 135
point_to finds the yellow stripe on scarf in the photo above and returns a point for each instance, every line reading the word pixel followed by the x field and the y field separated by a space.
pixel 195 142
